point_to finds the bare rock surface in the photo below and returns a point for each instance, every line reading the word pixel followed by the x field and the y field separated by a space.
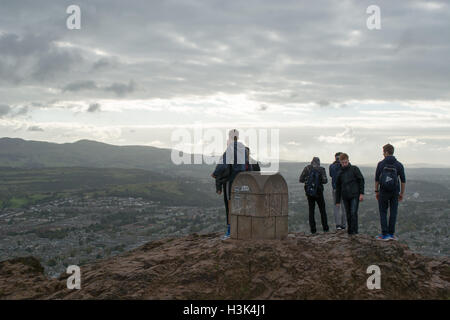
pixel 321 266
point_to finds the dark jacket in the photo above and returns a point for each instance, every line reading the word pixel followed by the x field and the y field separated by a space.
pixel 334 170
pixel 391 160
pixel 223 174
pixel 222 177
pixel 349 183
pixel 315 163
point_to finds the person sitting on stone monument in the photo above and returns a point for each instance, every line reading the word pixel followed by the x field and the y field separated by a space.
pixel 234 159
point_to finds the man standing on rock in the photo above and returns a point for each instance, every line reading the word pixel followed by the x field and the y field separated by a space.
pixel 339 212
pixel 387 190
pixel 314 177
pixel 349 189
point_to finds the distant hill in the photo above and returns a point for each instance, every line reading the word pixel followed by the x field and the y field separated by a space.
pixel 16 152
pixel 325 266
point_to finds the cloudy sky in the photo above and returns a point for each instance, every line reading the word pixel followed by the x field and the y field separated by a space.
pixel 138 70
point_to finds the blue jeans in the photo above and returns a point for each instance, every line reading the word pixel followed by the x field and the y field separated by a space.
pixel 351 209
pixel 385 201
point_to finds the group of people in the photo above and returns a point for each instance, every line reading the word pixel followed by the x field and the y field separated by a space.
pixel 347 186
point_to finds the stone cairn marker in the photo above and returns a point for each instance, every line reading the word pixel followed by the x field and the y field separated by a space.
pixel 259 206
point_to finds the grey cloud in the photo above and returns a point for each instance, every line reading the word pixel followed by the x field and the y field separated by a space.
pixel 80 85
pixel 12 112
pixel 120 89
pixel 309 51
pixel 93 107
pixel 323 103
pixel 103 64
pixel 34 57
pixel 35 128
pixel 4 110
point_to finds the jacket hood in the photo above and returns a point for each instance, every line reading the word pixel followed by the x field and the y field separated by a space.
pixel 390 159
pixel 315 162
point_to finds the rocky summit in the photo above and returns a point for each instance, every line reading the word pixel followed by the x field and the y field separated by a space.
pixel 321 266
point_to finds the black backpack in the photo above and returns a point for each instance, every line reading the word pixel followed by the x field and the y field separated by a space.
pixel 389 179
pixel 313 182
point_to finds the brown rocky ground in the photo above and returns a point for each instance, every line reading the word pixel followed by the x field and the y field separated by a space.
pixel 324 266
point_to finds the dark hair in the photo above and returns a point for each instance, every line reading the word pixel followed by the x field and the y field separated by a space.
pixel 337 154
pixel 389 149
pixel 343 156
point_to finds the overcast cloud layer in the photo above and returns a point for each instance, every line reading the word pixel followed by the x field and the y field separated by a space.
pixel 139 69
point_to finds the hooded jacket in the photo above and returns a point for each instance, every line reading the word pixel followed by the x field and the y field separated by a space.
pixel 349 183
pixel 334 170
pixel 391 160
pixel 315 164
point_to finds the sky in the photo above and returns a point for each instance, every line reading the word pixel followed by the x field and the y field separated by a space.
pixel 136 71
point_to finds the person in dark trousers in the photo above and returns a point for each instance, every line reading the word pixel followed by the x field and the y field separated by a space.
pixel 314 177
pixel 223 177
pixel 235 160
pixel 389 191
pixel 349 188
pixel 339 212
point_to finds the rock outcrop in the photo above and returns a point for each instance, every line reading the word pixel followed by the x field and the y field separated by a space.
pixel 323 266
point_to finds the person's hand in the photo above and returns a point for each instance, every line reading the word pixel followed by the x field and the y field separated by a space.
pixel 219 192
pixel 338 204
pixel 377 195
pixel 361 197
pixel 212 175
pixel 400 197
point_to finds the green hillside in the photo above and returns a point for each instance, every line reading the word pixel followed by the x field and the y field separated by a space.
pixel 20 187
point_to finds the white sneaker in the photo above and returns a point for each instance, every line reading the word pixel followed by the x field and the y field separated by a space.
pixel 225 237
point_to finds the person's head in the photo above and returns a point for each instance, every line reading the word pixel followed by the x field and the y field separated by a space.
pixel 233 135
pixel 315 162
pixel 388 150
pixel 336 156
pixel 343 159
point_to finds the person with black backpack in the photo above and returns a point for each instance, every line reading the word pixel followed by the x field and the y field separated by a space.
pixel 314 177
pixel 349 189
pixel 389 191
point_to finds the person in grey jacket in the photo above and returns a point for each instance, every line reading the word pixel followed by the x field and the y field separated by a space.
pixel 314 177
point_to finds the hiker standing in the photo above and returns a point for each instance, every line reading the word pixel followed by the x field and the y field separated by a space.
pixel 349 189
pixel 235 160
pixel 387 190
pixel 314 177
pixel 339 211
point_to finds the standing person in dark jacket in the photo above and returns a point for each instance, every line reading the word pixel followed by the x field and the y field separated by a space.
pixel 388 191
pixel 339 212
pixel 350 188
pixel 314 177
